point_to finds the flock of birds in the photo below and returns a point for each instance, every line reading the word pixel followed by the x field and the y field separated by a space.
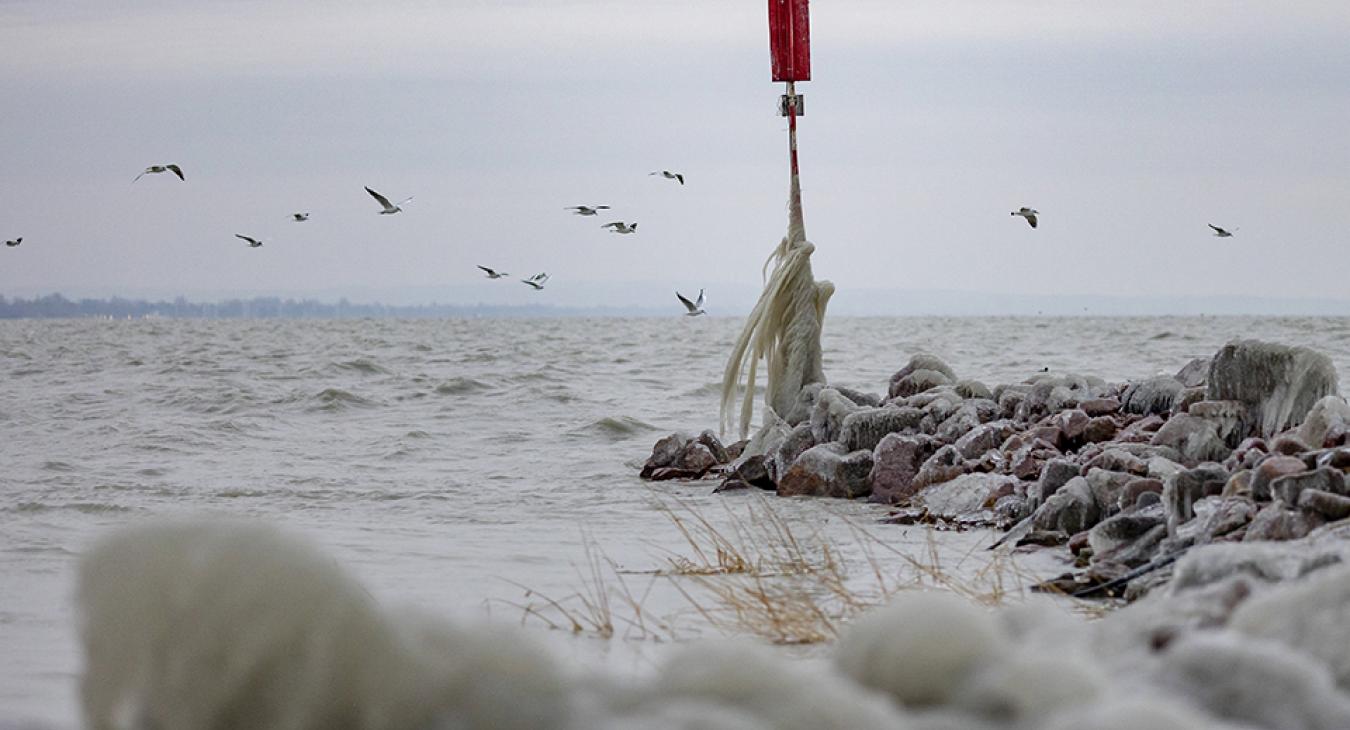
pixel 692 308
pixel 536 282
pixel 1031 213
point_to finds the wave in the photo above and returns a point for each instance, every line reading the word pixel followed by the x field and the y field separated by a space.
pixel 460 386
pixel 361 365
pixel 615 429
pixel 337 399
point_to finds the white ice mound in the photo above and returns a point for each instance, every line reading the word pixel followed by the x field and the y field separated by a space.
pixel 739 684
pixel 921 647
pixel 1311 615
pixel 228 625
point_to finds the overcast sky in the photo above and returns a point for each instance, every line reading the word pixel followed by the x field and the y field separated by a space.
pixel 1129 126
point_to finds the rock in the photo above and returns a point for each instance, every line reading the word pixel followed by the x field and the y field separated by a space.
pixel 792 446
pixel 664 453
pixel 1325 479
pixel 734 450
pixel 1141 430
pixel 1010 401
pixel 1011 509
pixel 921 361
pixel 1226 415
pixel 827 470
pixel 1279 522
pixel 1072 424
pixel 1217 517
pixel 1114 533
pixel 719 452
pixel 1278 384
pixel 982 438
pixel 1161 467
pixel 754 472
pixel 1118 460
pixel 965 495
pixel 1271 469
pixel 859 398
pixel 1182 490
pixel 827 417
pixel 1028 460
pixel 1288 445
pixel 1045 398
pixel 1135 488
pixel 1099 429
pixel 805 403
pixel 944 465
pixel 958 424
pixel 1331 506
pixel 1100 406
pixel 895 462
pixel 864 428
pixel 1055 474
pixel 973 389
pixel 1153 396
pixel 1106 487
pixel 1239 485
pixel 697 459
pixel 1070 510
pixel 769 436
pixel 1195 438
pixel 918 382
pixel 1194 373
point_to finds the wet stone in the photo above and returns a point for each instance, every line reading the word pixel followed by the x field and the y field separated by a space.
pixel 1331 506
pixel 1100 406
pixel 1271 469
pixel 1325 479
pixel 895 463
pixel 1055 474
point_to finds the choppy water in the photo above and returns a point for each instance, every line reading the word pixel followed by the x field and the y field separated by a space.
pixel 447 462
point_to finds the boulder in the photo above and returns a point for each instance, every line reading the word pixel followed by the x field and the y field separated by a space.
pixel 973 389
pixel 958 424
pixel 1129 495
pixel 864 428
pixel 1183 489
pixel 792 446
pixel 895 462
pixel 1289 445
pixel 1194 373
pixel 1114 533
pixel 944 465
pixel 859 398
pixel 1331 506
pixel 754 472
pixel 1070 510
pixel 827 470
pixel 921 361
pixel 827 416
pixel 1100 406
pixel 1279 522
pixel 966 496
pixel 1045 398
pixel 1269 470
pixel 1055 474
pixel 983 438
pixel 1196 439
pixel 1100 429
pixel 1278 384
pixel 1153 396
pixel 805 403
pixel 1325 479
pixel 719 452
pixel 1226 415
pixel 664 453
pixel 1118 460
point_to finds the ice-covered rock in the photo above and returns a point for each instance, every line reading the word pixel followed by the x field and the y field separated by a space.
pixel 1153 396
pixel 895 462
pixel 920 362
pixel 1055 474
pixel 1278 384
pixel 828 414
pixel 921 648
pixel 864 428
pixel 1070 510
pixel 798 440
pixel 1329 417
pixel 966 495
pixel 1196 439
pixel 827 470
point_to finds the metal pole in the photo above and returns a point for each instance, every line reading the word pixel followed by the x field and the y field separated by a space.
pixel 795 201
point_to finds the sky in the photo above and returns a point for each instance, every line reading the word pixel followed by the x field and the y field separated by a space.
pixel 1129 127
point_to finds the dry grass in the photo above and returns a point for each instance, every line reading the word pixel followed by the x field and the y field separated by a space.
pixel 759 573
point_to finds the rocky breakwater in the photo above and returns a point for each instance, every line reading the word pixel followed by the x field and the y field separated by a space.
pixel 1251 444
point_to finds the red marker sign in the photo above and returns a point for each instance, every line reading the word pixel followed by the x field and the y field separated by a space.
pixel 790 40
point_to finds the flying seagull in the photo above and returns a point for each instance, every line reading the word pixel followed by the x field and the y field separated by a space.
pixel 153 169
pixel 15 242
pixel 586 209
pixel 621 227
pixel 388 208
pixel 536 281
pixel 493 273
pixel 1027 213
pixel 667 174
pixel 252 242
pixel 695 308
pixel 299 217
pixel 1220 232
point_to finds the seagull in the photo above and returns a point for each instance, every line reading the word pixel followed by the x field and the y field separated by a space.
pixel 388 209
pixel 586 209
pixel 667 174
pixel 695 308
pixel 492 273
pixel 1027 213
pixel 621 227
pixel 536 281
pixel 1221 233
pixel 175 169
pixel 252 242
pixel 300 217
pixel 15 242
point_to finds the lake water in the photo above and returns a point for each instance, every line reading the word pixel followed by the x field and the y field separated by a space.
pixel 452 465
